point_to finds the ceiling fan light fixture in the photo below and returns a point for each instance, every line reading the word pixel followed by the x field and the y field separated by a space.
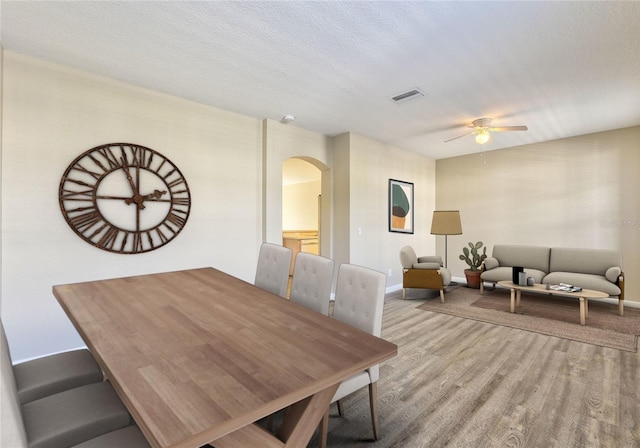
pixel 482 136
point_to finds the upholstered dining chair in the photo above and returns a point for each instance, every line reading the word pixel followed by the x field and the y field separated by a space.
pixel 62 419
pixel 129 437
pixel 423 272
pixel 359 301
pixel 272 272
pixel 312 281
pixel 51 374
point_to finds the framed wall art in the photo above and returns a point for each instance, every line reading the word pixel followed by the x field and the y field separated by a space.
pixel 400 206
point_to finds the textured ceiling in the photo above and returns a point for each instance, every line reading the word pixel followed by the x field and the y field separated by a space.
pixel 561 68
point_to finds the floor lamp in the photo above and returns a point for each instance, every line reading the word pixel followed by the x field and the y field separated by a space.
pixel 446 222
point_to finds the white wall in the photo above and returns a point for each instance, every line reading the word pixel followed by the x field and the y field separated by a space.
pixel 51 115
pixel 574 192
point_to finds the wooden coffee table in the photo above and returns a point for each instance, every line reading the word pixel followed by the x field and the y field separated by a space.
pixel 538 288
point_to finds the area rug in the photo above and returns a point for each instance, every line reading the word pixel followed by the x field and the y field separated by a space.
pixel 553 316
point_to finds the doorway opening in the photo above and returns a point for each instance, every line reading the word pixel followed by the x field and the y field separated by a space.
pixel 301 207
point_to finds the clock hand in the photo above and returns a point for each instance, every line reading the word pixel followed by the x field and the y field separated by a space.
pixel 155 195
pixel 125 168
pixel 136 196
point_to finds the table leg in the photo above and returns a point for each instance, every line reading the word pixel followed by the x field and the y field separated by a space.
pixel 518 297
pixel 302 418
pixel 586 307
pixel 513 300
pixel 300 422
pixel 582 311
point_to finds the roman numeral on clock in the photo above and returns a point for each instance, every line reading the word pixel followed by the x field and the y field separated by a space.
pixel 86 220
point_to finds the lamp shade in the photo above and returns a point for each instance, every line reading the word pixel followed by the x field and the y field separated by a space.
pixel 446 222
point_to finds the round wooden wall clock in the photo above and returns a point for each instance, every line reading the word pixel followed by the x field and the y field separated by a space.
pixel 124 198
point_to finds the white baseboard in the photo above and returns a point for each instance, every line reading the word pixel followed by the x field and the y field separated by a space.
pixel 393 288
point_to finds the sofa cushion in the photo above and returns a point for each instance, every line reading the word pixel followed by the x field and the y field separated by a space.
pixel 586 281
pixel 532 257
pixel 431 259
pixel 612 274
pixel 505 274
pixel 426 266
pixel 584 261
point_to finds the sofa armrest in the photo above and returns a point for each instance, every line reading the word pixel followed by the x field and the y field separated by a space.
pixel 490 263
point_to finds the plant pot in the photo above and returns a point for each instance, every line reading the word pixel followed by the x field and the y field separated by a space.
pixel 473 278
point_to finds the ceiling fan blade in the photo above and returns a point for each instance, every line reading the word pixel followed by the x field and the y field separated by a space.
pixel 508 128
pixel 460 136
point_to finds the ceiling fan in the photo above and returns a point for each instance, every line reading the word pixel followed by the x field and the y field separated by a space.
pixel 482 128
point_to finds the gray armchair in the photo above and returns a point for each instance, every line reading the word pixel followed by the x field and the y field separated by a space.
pixel 423 272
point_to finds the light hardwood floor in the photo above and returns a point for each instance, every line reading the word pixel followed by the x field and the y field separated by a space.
pixel 463 383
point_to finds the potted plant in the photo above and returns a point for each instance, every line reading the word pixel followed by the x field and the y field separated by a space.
pixel 474 259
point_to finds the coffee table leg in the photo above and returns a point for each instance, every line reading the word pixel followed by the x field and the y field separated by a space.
pixel 582 311
pixel 586 307
pixel 513 300
pixel 518 297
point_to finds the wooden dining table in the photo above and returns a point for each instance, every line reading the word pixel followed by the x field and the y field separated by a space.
pixel 199 356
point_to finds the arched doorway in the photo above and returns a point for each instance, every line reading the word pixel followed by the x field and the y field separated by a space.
pixel 301 206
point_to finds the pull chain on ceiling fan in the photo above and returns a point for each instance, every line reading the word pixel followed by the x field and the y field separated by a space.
pixel 482 128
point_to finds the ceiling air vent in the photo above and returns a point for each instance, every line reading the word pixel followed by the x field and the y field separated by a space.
pixel 408 95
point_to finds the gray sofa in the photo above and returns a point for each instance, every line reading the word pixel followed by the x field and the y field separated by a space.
pixel 596 269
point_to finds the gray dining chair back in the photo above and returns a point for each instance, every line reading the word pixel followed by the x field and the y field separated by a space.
pixel 312 280
pixel 272 272
pixel 360 298
pixel 359 302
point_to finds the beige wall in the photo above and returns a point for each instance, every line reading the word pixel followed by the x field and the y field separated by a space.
pixel 51 115
pixel 301 206
pixel 233 164
pixel 342 198
pixel 574 192
pixel 281 142
pixel 370 166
